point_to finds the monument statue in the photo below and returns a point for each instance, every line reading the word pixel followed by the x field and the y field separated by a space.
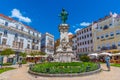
pixel 64 15
pixel 64 52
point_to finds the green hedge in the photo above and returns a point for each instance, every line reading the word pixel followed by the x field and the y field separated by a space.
pixel 5 69
pixel 116 65
pixel 57 67
pixel 7 64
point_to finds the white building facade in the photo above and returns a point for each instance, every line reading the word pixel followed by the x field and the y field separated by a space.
pixel 84 40
pixel 17 36
pixel 47 43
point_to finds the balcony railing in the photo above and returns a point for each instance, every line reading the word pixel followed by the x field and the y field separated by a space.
pixel 19 31
pixel 108 48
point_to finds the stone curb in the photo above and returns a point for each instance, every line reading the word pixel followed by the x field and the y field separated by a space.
pixel 65 75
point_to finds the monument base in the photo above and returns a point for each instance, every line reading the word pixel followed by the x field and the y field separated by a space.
pixel 64 57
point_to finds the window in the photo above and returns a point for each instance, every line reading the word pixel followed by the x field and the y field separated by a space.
pixel 84 31
pixel 16 26
pixel 29 31
pixel 90 34
pixel 82 43
pixel 79 32
pixel 85 42
pixel 37 35
pixel 87 35
pixel 88 41
pixel 114 46
pixel 28 46
pixel 6 23
pixel 87 30
pixel 33 33
pixel 118 43
pixel 80 38
pixel 106 35
pixel 110 24
pixel 102 36
pixel 5 32
pixel 78 44
pixel 4 41
pixel 98 47
pixel 90 29
pixel 101 27
pixel 112 34
pixel 91 41
pixel 105 27
pixel 98 37
pixel 22 28
pixel 16 35
pixel 117 32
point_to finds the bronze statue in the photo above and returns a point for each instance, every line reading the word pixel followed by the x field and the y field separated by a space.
pixel 64 15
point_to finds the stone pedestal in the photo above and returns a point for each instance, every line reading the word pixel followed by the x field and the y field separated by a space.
pixel 64 51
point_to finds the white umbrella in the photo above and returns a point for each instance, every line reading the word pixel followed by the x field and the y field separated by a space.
pixel 105 53
pixel 116 54
pixel 93 54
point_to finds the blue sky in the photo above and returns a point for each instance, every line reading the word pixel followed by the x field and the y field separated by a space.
pixel 42 15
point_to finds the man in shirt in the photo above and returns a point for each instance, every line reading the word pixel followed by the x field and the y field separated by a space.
pixel 107 60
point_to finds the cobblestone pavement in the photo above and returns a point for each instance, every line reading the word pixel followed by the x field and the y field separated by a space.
pixel 21 74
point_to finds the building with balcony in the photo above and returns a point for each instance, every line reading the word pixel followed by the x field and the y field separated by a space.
pixel 17 36
pixel 47 43
pixel 84 40
pixel 106 33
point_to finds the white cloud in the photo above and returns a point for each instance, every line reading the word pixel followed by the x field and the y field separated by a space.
pixel 70 33
pixel 17 14
pixel 77 29
pixel 85 24
pixel 115 15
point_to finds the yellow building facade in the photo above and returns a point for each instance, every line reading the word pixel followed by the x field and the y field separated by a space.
pixel 106 34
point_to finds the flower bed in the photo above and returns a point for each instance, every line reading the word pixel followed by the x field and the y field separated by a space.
pixel 64 68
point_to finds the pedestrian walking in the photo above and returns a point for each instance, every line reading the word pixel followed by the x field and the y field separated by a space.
pixel 20 62
pixel 107 61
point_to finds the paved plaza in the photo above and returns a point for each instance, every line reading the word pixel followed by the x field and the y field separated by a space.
pixel 22 74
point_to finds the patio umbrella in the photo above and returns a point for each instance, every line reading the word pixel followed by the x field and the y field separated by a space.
pixel 116 54
pixel 93 55
pixel 105 53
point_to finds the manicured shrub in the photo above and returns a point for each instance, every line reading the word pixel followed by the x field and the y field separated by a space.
pixel 84 58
